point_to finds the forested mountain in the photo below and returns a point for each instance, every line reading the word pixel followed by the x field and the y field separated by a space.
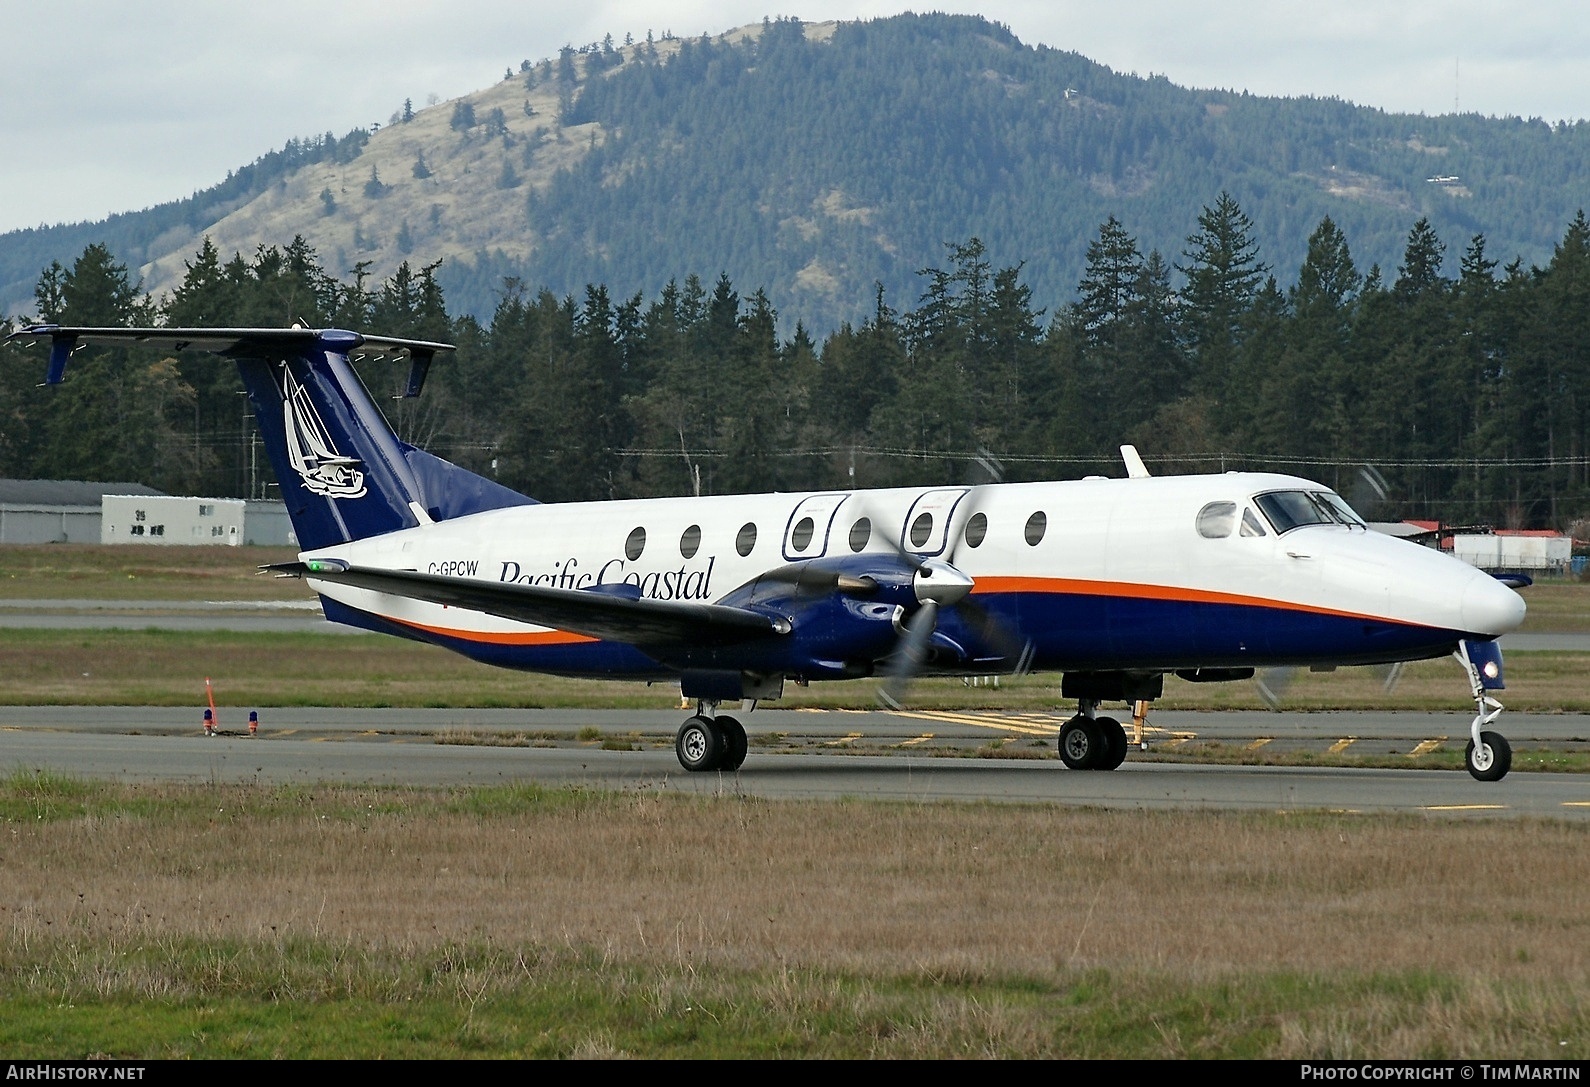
pixel 872 254
pixel 816 161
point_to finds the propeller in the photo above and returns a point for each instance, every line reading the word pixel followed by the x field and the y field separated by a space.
pixel 1370 491
pixel 909 656
pixel 939 584
pixel 1271 683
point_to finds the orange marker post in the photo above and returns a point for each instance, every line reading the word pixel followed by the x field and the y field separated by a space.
pixel 209 715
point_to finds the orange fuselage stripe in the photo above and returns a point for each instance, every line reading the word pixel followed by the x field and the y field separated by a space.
pixel 989 585
pixel 540 637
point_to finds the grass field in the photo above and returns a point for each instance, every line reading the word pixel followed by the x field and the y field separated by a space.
pixel 345 922
pixel 140 666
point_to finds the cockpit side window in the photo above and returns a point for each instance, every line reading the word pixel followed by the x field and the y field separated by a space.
pixel 1216 520
pixel 1250 523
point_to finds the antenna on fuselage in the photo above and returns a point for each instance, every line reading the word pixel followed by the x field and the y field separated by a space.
pixel 1135 468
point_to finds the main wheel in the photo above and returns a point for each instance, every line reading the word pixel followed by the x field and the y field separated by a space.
pixel 1491 760
pixel 1081 743
pixel 1114 743
pixel 699 745
pixel 734 743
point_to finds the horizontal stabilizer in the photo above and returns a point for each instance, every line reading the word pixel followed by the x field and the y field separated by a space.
pixel 234 343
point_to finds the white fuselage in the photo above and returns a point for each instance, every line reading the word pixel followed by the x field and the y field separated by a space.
pixel 1096 572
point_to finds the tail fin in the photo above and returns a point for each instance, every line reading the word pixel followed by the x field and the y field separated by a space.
pixel 344 474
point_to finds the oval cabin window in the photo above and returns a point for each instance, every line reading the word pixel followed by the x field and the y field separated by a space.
pixel 976 529
pixel 635 544
pixel 690 541
pixel 921 529
pixel 745 540
pixel 860 533
pixel 801 538
pixel 1037 525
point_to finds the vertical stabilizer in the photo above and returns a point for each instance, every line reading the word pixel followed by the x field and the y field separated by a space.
pixel 344 474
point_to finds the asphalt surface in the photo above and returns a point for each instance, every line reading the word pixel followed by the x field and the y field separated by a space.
pixel 917 757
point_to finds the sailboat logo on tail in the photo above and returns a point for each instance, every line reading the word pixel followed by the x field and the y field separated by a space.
pixel 310 449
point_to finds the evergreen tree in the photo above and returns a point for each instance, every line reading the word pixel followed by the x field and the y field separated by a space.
pixel 1223 272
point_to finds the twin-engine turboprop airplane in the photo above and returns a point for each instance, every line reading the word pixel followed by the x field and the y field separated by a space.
pixel 1111 582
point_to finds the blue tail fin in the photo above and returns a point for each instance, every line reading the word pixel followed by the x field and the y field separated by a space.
pixel 344 474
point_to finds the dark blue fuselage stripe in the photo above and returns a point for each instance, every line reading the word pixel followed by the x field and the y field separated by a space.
pixel 1070 632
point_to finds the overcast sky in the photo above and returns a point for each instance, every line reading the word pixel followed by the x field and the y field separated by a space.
pixel 110 106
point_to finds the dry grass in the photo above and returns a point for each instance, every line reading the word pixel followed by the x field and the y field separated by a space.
pixel 754 884
pixel 1317 935
pixel 132 572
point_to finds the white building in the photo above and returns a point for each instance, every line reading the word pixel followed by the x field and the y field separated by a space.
pixel 171 519
pixel 1545 552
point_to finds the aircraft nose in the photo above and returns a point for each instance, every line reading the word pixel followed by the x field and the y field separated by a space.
pixel 1489 607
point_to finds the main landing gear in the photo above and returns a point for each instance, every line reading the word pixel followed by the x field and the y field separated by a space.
pixel 1089 742
pixel 710 742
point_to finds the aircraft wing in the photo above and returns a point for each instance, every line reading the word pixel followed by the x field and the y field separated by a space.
pixel 611 616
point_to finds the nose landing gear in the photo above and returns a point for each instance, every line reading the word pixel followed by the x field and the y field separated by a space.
pixel 1488 755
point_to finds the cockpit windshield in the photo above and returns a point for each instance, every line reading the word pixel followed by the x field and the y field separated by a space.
pixel 1287 510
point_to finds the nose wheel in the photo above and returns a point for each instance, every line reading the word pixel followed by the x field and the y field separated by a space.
pixel 1490 759
pixel 1488 755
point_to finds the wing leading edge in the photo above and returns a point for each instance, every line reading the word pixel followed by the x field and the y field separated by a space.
pixel 615 616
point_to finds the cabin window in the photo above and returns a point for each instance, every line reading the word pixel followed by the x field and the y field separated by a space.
pixel 1250 523
pixel 801 538
pixel 746 539
pixel 921 529
pixel 690 541
pixel 1216 520
pixel 635 544
pixel 976 529
pixel 1037 525
pixel 860 533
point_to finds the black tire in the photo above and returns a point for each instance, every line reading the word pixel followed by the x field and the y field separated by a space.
pixel 1081 743
pixel 734 743
pixel 1491 760
pixel 1114 737
pixel 699 745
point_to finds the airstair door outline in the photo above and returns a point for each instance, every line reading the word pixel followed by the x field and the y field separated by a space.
pixel 806 534
pixel 927 524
